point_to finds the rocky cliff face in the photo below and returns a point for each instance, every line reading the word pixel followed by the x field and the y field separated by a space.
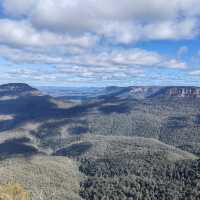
pixel 143 92
pixel 185 92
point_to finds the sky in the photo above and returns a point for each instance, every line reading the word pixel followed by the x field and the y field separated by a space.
pixel 100 42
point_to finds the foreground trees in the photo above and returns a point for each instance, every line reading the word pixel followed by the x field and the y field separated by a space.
pixel 119 179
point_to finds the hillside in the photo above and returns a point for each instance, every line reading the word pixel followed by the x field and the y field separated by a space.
pixel 163 115
pixel 20 103
pixel 98 147
pixel 107 165
pixel 123 168
pixel 49 122
pixel 129 143
pixel 172 120
pixel 143 92
pixel 43 177
pixel 17 89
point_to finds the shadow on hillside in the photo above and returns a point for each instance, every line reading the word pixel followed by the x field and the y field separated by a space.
pixel 119 108
pixel 197 120
pixel 40 108
pixel 79 130
pixel 7 124
pixel 17 147
pixel 35 108
pixel 177 122
pixel 74 150
pixel 114 94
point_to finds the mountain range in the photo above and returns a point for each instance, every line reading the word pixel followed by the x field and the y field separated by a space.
pixel 119 143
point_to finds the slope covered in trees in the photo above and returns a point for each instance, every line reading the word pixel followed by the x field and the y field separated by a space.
pixel 130 143
pixel 134 168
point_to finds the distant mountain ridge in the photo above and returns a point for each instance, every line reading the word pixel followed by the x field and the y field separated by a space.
pixel 11 89
pixel 137 92
pixel 136 142
pixel 142 92
pixel 181 91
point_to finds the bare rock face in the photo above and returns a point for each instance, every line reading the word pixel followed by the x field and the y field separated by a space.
pixel 142 92
pixel 171 91
pixel 185 92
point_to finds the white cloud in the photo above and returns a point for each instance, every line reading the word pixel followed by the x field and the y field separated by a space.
pixel 175 64
pixel 184 29
pixel 80 37
pixel 128 32
pixel 108 58
pixel 131 57
pixel 22 33
pixel 123 22
pixel 18 7
pixel 195 73
pixel 102 9
pixel 16 55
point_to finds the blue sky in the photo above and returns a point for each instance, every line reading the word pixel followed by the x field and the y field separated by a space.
pixel 100 42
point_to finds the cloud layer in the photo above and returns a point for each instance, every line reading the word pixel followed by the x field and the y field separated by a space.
pixel 95 39
pixel 122 22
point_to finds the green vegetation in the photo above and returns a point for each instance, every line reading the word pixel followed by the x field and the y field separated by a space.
pixel 44 177
pixel 174 121
pixel 109 180
pixel 104 149
pixel 134 168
